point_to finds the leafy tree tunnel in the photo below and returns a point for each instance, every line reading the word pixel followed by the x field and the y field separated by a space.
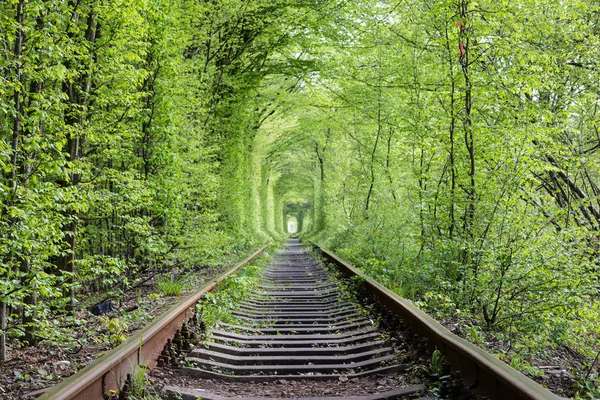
pixel 449 148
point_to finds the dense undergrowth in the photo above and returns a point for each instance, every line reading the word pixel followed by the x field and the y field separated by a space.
pixel 558 331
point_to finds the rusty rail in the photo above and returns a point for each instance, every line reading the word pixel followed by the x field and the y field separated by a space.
pixel 109 371
pixel 480 370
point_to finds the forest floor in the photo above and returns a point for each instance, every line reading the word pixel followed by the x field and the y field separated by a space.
pixel 29 371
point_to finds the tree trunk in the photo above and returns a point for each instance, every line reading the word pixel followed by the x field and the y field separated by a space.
pixel 78 94
pixel 388 164
pixel 374 151
pixel 467 121
pixel 451 132
pixel 3 324
pixel 16 137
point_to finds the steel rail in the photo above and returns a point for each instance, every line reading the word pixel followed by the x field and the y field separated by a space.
pixel 142 348
pixel 480 370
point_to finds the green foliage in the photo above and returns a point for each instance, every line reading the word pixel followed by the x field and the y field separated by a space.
pixel 138 384
pixel 475 335
pixel 522 365
pixel 217 306
pixel 437 363
pixel 170 286
pixel 117 330
pixel 586 388
pixel 101 272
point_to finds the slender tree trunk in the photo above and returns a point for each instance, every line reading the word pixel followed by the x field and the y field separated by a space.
pixel 31 299
pixel 388 157
pixel 3 325
pixel 321 160
pixel 374 151
pixel 422 189
pixel 16 133
pixel 451 132
pixel 467 120
pixel 78 93
pixel 16 137
pixel 28 316
pixel 320 211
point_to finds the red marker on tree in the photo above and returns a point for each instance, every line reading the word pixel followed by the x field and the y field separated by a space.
pixel 461 46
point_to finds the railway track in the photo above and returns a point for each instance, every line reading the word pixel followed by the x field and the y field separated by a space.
pixel 297 325
pixel 299 332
